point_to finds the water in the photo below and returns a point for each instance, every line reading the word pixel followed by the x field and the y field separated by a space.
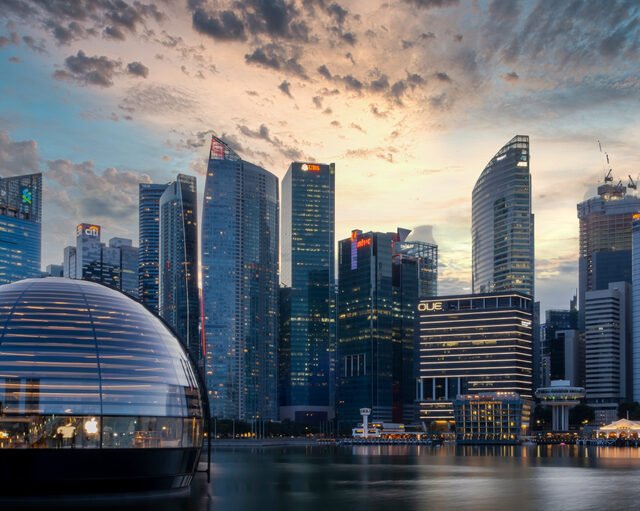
pixel 399 478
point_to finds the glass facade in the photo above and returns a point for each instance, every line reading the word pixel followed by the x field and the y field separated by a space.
pixel 20 227
pixel 240 286
pixel 178 296
pixel 635 294
pixel 149 243
pixel 84 366
pixel 502 225
pixel 472 344
pixel 308 226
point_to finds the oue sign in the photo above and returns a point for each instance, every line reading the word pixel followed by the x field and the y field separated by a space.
pixel 430 306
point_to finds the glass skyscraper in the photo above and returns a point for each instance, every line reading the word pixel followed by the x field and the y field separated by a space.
pixel 178 296
pixel 149 243
pixel 308 225
pixel 240 286
pixel 20 227
pixel 502 225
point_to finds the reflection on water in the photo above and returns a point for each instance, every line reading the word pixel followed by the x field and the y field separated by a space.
pixel 408 478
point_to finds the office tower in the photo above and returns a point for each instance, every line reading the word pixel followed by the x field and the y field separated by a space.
pixel 635 293
pixel 502 225
pixel 88 255
pixel 149 243
pixel 379 286
pixel 308 219
pixel 426 256
pixel 471 344
pixel 55 270
pixel 608 349
pixel 69 262
pixel 178 301
pixel 605 240
pixel 240 286
pixel 536 348
pixel 563 346
pixel 126 261
pixel 20 227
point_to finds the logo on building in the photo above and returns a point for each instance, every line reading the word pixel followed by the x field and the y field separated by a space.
pixel 27 196
pixel 430 306
pixel 92 231
pixel 310 167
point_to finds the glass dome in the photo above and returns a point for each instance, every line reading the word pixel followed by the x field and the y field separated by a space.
pixel 84 366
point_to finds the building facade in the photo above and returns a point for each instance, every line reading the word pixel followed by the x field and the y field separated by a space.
pixel 240 230
pixel 635 294
pixel 470 344
pixel 149 243
pixel 20 227
pixel 307 255
pixel 179 303
pixel 502 225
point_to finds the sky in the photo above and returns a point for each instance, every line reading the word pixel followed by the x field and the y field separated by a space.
pixel 409 98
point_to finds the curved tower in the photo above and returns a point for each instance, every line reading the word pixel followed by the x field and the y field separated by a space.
pixel 240 286
pixel 502 226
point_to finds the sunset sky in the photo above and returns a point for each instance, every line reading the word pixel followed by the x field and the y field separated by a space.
pixel 409 98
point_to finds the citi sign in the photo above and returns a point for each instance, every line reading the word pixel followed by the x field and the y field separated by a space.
pixel 430 306
pixel 92 231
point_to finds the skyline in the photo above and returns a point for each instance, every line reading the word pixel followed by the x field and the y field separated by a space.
pixel 412 135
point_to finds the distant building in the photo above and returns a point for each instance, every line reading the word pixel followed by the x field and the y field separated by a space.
pixel 149 243
pixel 491 418
pixel 179 300
pixel 55 270
pixel 240 233
pixel 472 344
pixel 502 225
pixel 635 293
pixel 20 227
pixel 605 240
pixel 308 259
pixel 608 379
pixel 563 346
pixel 561 396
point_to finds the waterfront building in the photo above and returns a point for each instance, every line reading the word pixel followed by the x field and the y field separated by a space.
pixel 605 240
pixel 561 396
pixel 178 301
pixel 635 294
pixel 379 286
pixel 502 225
pixel 308 255
pixel 240 286
pixel 608 349
pixel 472 344
pixel 20 227
pixel 491 418
pixel 623 429
pixel 98 395
pixel 149 243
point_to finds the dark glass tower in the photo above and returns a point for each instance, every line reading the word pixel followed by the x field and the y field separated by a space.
pixel 502 225
pixel 308 224
pixel 240 286
pixel 20 227
pixel 178 297
pixel 149 243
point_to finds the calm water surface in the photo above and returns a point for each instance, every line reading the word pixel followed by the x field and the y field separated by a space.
pixel 399 478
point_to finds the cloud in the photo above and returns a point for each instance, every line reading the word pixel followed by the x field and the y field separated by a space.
pixel 137 69
pixel 12 39
pixel 443 77
pixel 226 26
pixel 263 133
pixel 430 4
pixel 285 87
pixel 97 70
pixel 511 77
pixel 158 100
pixel 18 158
pixel 279 58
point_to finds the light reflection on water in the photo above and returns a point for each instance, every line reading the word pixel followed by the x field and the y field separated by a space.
pixel 403 478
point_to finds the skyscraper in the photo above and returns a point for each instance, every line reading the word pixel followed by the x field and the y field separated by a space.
pixel 149 243
pixel 20 228
pixel 178 296
pixel 308 220
pixel 635 294
pixel 240 286
pixel 605 240
pixel 502 225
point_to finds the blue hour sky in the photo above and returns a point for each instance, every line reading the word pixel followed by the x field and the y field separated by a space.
pixel 410 99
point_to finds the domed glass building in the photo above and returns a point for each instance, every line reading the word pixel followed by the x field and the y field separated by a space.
pixel 96 393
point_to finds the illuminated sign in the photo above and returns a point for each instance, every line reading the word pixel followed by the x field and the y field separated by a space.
pixel 525 323
pixel 636 216
pixel 88 230
pixel 27 196
pixel 91 426
pixel 430 306
pixel 364 242
pixel 310 167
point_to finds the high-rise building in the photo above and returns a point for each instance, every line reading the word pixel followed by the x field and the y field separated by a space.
pixel 20 227
pixel 240 286
pixel 308 224
pixel 55 270
pixel 635 294
pixel 471 344
pixel 126 260
pixel 502 225
pixel 608 379
pixel 381 279
pixel 563 346
pixel 605 240
pixel 149 243
pixel 178 301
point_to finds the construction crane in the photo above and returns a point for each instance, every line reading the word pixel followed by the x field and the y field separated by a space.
pixel 632 184
pixel 608 178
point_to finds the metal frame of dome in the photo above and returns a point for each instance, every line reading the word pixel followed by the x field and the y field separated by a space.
pixel 100 396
